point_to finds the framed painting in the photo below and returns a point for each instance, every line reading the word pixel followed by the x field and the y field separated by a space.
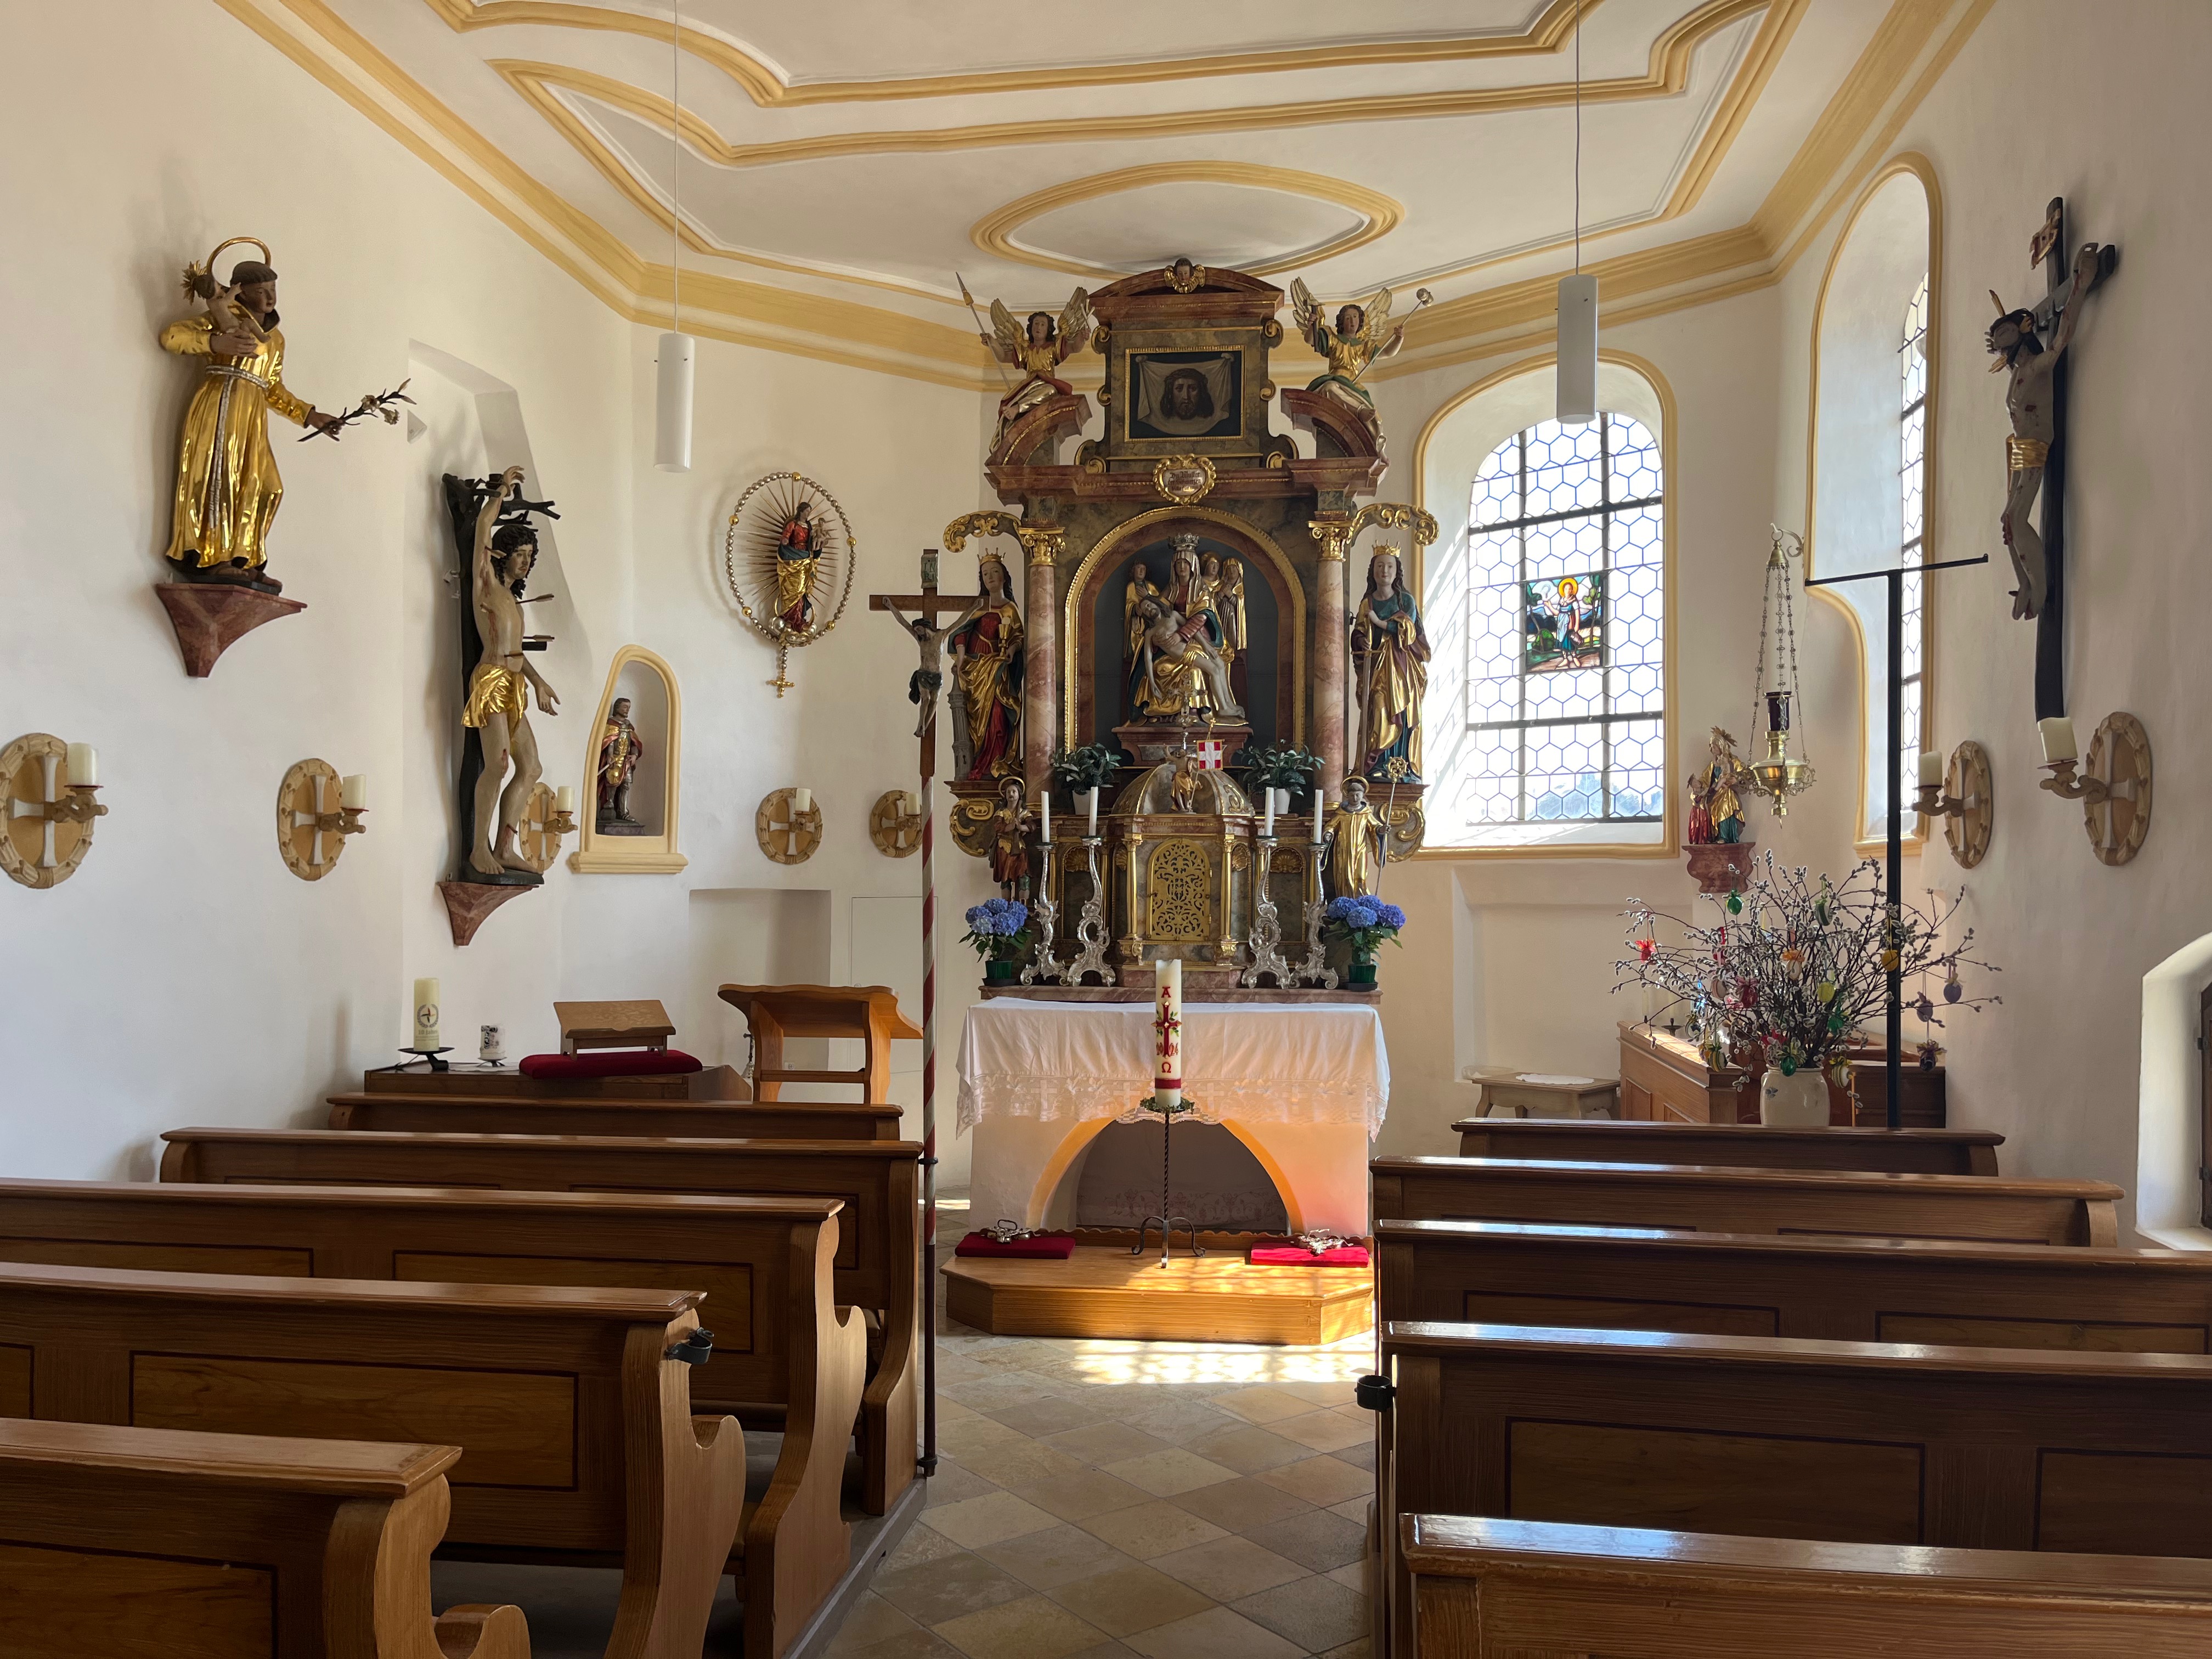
pixel 1186 395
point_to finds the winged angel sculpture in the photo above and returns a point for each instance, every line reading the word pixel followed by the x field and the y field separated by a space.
pixel 1037 347
pixel 1361 335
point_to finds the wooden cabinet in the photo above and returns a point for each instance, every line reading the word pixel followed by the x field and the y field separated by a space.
pixel 1664 1079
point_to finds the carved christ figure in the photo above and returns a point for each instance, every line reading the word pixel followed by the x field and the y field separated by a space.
pixel 1177 667
pixel 1037 347
pixel 498 707
pixel 928 679
pixel 2030 366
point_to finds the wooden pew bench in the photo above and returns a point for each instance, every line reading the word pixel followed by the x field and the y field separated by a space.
pixel 782 1352
pixel 121 1541
pixel 574 1422
pixel 476 1114
pixel 1838 1203
pixel 1504 1589
pixel 1774 1437
pixel 879 1241
pixel 1852 1289
pixel 1751 1146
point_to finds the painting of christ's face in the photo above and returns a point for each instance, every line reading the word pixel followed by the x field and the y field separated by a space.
pixel 1186 399
pixel 1185 394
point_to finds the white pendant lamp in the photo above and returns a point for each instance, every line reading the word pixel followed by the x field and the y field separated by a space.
pixel 1578 330
pixel 671 450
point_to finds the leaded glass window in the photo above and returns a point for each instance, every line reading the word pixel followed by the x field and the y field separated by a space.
pixel 1912 375
pixel 1565 669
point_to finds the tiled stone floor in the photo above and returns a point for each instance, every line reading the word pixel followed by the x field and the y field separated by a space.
pixel 1099 1499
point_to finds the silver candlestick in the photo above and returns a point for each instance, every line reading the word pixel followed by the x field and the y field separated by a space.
pixel 1090 930
pixel 1267 935
pixel 1313 969
pixel 1044 969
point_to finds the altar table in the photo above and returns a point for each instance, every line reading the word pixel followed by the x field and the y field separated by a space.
pixel 1304 1087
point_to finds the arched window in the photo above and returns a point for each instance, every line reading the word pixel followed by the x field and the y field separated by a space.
pixel 1913 425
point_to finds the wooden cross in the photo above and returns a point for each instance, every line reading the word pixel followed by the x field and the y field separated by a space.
pixel 925 608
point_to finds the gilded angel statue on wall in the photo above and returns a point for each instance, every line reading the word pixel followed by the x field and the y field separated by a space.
pixel 1037 346
pixel 1360 337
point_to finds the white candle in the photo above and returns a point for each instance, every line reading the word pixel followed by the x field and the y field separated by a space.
pixel 2057 735
pixel 83 765
pixel 910 803
pixel 1167 1024
pixel 564 799
pixel 1931 767
pixel 802 801
pixel 353 791
pixel 1091 812
pixel 1267 823
pixel 424 1029
pixel 1044 805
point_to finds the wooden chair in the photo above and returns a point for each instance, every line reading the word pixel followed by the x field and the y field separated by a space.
pixel 1832 1202
pixel 123 1540
pixel 783 1354
pixel 1894 1151
pixel 867 1013
pixel 878 1243
pixel 1486 1588
pixel 572 1407
pixel 790 1120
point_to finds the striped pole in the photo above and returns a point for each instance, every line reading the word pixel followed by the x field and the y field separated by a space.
pixel 929 1098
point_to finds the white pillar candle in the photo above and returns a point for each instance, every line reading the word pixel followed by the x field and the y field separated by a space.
pixel 1167 1024
pixel 802 801
pixel 2057 734
pixel 423 1029
pixel 910 803
pixel 1091 812
pixel 353 791
pixel 1931 767
pixel 1044 805
pixel 1267 820
pixel 564 799
pixel 83 765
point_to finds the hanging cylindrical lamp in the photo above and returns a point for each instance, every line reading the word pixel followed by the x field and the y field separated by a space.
pixel 1578 327
pixel 1777 775
pixel 671 448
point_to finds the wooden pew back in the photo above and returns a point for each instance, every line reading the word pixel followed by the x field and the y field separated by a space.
pixel 1825 1202
pixel 1747 1145
pixel 123 1541
pixel 514 1114
pixel 1502 1589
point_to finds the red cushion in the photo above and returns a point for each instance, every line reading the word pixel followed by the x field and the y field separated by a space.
pixel 1046 1247
pixel 610 1062
pixel 1296 1255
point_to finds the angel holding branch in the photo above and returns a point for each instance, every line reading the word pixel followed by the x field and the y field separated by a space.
pixel 1037 347
pixel 1360 337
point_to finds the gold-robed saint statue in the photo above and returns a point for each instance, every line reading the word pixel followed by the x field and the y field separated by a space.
pixel 1356 835
pixel 986 672
pixel 1391 668
pixel 1037 346
pixel 1360 337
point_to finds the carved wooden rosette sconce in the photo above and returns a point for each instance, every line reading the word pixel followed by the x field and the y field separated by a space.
pixel 45 820
pixel 2113 786
pixel 1966 802
pixel 787 833
pixel 538 838
pixel 895 825
pixel 313 823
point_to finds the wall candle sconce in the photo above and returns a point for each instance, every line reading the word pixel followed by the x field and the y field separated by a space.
pixel 49 789
pixel 2115 787
pixel 309 834
pixel 1963 795
pixel 788 826
pixel 895 824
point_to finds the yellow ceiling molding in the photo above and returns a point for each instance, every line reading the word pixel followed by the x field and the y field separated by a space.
pixel 1666 77
pixel 1380 215
pixel 768 90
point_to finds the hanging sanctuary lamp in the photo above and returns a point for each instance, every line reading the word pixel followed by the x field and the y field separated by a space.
pixel 671 447
pixel 1577 321
pixel 1775 701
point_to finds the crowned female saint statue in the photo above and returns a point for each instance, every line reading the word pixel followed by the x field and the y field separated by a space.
pixel 796 556
pixel 986 669
pixel 1390 666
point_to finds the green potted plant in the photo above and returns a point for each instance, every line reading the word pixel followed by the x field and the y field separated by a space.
pixel 1091 767
pixel 1364 923
pixel 998 929
pixel 1280 766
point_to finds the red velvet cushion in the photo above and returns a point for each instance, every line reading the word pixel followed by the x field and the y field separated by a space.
pixel 1046 1247
pixel 610 1062
pixel 1296 1255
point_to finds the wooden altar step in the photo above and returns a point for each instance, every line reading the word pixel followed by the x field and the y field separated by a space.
pixel 1102 1290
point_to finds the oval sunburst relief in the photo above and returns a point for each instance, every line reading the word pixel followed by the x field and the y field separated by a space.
pixel 788 559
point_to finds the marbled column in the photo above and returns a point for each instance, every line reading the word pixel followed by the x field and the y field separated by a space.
pixel 1041 653
pixel 1325 719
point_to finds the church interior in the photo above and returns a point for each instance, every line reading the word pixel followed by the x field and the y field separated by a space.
pixel 1460 949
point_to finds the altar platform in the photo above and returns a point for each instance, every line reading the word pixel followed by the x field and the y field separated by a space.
pixel 1103 1292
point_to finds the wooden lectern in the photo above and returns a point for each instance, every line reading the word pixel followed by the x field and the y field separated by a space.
pixel 868 1013
pixel 643 1024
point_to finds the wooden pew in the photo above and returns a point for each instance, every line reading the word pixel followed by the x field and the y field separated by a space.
pixel 764 1264
pixel 517 1114
pixel 879 1244
pixel 1852 1289
pixel 1833 1202
pixel 123 1541
pixel 1501 1589
pixel 1751 1146
pixel 1774 1437
pixel 573 1419
pixel 713 1082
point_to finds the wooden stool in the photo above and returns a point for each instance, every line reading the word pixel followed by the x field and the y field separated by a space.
pixel 1542 1094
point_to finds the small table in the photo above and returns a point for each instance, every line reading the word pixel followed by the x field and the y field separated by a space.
pixel 1542 1094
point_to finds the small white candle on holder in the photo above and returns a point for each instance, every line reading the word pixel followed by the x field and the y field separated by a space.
pixel 1044 806
pixel 802 802
pixel 353 791
pixel 424 1027
pixel 1090 813
pixel 910 803
pixel 83 766
pixel 2057 734
pixel 1931 769
pixel 1267 819
pixel 1167 1022
pixel 564 799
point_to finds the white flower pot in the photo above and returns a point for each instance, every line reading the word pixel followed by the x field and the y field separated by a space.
pixel 1799 1101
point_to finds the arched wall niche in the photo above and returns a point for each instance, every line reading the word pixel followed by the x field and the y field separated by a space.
pixel 1854 511
pixel 656 790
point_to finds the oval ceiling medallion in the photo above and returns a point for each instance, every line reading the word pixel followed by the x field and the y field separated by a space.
pixel 1322 217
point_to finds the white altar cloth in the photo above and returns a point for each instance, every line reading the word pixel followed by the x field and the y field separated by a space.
pixel 1258 1063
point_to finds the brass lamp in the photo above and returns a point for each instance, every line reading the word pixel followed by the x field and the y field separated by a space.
pixel 1778 776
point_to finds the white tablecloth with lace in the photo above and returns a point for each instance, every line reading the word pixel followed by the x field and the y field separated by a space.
pixel 1255 1062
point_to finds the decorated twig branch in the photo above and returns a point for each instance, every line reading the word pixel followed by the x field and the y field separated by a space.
pixel 381 404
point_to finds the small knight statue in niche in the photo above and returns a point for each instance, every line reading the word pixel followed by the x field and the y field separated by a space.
pixel 2030 366
pixel 1356 835
pixel 1037 347
pixel 1391 668
pixel 1716 809
pixel 498 706
pixel 1010 840
pixel 621 749
pixel 227 487
pixel 1360 337
pixel 987 679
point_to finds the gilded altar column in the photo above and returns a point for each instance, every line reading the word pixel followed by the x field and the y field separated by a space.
pixel 1327 719
pixel 1041 651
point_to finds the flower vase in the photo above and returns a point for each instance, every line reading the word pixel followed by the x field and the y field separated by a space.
pixel 1799 1101
pixel 1362 974
pixel 997 972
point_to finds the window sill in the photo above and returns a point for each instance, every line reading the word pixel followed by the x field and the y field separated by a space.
pixel 2180 1239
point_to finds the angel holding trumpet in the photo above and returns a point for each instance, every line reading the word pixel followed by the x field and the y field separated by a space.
pixel 1037 346
pixel 1360 337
